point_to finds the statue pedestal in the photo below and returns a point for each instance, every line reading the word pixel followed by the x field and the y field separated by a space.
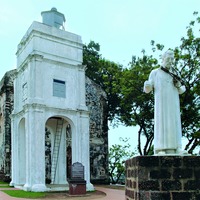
pixel 163 177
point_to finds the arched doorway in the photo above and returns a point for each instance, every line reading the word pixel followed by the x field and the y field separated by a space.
pixel 22 152
pixel 58 136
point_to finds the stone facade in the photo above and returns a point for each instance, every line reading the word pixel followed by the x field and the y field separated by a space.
pixel 163 178
pixel 6 107
pixel 54 122
pixel 96 102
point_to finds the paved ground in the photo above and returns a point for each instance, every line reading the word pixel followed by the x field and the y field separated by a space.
pixel 101 193
pixel 112 194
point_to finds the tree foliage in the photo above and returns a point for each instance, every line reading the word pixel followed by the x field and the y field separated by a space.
pixel 136 107
pixel 91 57
pixel 106 74
pixel 188 64
pixel 118 154
pixel 126 100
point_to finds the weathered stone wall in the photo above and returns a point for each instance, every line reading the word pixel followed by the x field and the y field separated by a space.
pixel 163 178
pixel 48 155
pixel 2 130
pixel 96 103
pixel 6 105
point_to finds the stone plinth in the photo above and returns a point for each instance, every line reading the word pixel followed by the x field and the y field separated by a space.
pixel 77 187
pixel 163 178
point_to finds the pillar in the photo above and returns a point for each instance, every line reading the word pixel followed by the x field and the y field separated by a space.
pixel 35 152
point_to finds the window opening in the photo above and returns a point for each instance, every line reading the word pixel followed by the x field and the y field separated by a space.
pixel 59 88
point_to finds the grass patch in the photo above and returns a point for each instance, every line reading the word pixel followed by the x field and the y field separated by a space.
pixel 24 194
pixel 5 186
pixel 1 182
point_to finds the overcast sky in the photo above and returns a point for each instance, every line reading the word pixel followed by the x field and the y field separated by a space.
pixel 122 28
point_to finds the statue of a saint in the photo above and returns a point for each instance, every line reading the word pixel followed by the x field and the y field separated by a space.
pixel 167 86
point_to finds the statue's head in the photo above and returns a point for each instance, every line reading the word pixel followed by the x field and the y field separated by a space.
pixel 168 58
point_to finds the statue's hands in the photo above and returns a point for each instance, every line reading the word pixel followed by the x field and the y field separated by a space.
pixel 181 89
pixel 178 84
pixel 147 86
pixel 147 83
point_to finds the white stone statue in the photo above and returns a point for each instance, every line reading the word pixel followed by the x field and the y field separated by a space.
pixel 167 122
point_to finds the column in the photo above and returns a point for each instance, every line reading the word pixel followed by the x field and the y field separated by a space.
pixel 81 79
pixel 85 151
pixel 14 151
pixel 35 170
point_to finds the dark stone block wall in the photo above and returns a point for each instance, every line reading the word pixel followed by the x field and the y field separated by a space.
pixel 163 178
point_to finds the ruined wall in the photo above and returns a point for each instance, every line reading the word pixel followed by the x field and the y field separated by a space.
pixel 2 129
pixel 6 107
pixel 96 102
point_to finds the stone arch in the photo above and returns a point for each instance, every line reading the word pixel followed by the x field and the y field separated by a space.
pixel 22 151
pixel 60 175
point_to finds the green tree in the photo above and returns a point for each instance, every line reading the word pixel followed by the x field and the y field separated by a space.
pixel 91 57
pixel 118 154
pixel 106 74
pixel 187 57
pixel 124 87
pixel 136 107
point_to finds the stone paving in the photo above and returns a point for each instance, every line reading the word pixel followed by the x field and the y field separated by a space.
pixel 102 193
pixel 112 194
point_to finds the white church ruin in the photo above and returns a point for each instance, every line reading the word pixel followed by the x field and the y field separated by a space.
pixel 51 120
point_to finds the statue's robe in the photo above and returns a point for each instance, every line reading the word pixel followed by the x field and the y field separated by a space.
pixel 167 121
